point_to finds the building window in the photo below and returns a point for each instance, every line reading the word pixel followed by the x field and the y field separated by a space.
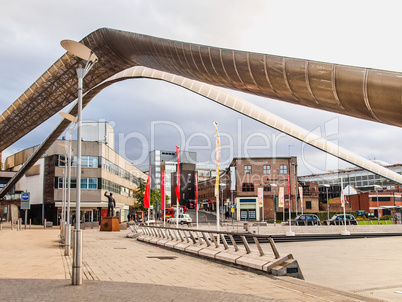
pixel 61 161
pixel 248 187
pixel 89 183
pixel 267 169
pixel 267 188
pixel 308 205
pixel 283 169
pixel 247 169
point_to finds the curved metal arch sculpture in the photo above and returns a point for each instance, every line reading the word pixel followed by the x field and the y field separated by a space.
pixel 359 92
pixel 221 97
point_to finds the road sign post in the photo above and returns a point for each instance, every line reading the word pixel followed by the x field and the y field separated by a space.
pixel 25 204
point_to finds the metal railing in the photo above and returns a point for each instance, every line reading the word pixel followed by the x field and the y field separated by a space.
pixel 208 237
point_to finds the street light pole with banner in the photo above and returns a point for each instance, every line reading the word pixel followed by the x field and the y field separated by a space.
pixel 261 201
pixel 218 160
pixel 301 198
pixel 282 201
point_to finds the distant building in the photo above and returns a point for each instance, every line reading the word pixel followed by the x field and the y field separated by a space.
pixel 388 200
pixel 102 170
pixel 245 176
pixel 167 159
pixel 351 178
pixel 10 203
pixel 206 171
pixel 187 186
pixel 356 177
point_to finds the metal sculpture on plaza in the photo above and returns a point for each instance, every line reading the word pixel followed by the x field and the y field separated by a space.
pixel 359 92
pixel 111 204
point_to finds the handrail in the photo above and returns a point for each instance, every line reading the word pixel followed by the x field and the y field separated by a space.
pixel 208 236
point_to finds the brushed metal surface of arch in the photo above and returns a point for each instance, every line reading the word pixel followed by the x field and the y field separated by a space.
pixel 359 92
pixel 221 97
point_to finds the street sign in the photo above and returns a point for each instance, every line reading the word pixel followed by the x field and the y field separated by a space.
pixel 25 196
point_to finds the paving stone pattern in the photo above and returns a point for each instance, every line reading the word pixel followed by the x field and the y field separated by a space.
pixel 34 268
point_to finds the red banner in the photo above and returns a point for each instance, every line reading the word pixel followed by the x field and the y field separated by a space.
pixel 163 190
pixel 178 175
pixel 147 195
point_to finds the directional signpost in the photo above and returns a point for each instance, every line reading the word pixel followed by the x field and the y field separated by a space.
pixel 25 205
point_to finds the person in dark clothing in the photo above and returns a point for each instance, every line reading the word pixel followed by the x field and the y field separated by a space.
pixel 111 204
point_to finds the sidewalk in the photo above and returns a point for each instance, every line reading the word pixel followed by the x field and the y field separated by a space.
pixel 34 268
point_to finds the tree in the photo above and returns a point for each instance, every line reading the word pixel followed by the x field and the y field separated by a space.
pixel 139 194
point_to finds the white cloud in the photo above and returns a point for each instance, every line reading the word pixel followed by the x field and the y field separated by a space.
pixel 360 33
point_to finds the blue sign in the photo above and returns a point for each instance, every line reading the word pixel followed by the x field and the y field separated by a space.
pixel 25 196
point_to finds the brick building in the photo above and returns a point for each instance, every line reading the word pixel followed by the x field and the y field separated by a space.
pixel 367 201
pixel 242 181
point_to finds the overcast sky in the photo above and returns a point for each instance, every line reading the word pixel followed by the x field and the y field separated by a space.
pixel 151 114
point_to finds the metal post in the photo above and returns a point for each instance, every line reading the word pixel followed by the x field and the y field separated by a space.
pixel 378 209
pixel 67 240
pixel 274 209
pixel 295 168
pixel 43 199
pixel 77 253
pixel 327 204
pixel 77 257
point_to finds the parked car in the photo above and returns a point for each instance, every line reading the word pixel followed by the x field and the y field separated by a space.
pixel 338 219
pixel 306 219
pixel 183 218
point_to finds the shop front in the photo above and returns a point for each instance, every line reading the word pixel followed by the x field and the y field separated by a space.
pixel 247 208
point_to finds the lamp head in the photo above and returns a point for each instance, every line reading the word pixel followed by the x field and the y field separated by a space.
pixel 69 117
pixel 79 50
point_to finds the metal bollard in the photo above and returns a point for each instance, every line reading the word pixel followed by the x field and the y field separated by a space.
pixel 67 240
pixel 77 258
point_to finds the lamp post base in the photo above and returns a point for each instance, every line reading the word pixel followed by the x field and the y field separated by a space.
pixel 67 240
pixel 290 233
pixel 76 277
pixel 345 233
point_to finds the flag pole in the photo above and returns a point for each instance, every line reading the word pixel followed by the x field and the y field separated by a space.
pixel 147 195
pixel 163 205
pixel 290 233
pixel 345 231
pixel 178 186
pixel 196 197
pixel 218 159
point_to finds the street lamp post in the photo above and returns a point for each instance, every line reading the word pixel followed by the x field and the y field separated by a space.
pixel 326 187
pixel 67 226
pixel 83 52
pixel 222 185
pixel 377 187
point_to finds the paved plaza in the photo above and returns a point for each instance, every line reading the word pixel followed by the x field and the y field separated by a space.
pixel 34 268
